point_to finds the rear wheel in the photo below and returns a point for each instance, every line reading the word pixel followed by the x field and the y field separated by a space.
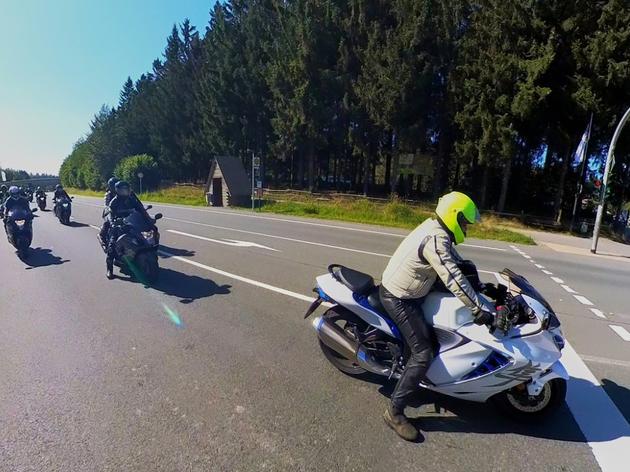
pixel 148 265
pixel 519 405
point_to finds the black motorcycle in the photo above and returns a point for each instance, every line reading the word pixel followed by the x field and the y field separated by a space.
pixel 137 244
pixel 18 225
pixel 41 201
pixel 63 210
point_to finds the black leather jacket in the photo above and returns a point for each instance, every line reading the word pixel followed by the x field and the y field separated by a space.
pixel 122 207
pixel 16 204
pixel 61 193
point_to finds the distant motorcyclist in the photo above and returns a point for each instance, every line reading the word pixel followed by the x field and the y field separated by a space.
pixel 122 205
pixel 60 193
pixel 109 196
pixel 16 201
pixel 39 191
pixel 424 255
pixel 4 194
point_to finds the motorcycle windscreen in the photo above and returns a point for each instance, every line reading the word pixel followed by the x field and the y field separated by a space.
pixel 523 286
pixel 19 214
pixel 138 221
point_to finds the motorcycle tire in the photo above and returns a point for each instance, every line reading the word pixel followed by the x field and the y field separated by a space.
pixel 525 409
pixel 148 265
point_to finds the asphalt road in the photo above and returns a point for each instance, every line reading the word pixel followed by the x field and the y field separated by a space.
pixel 215 369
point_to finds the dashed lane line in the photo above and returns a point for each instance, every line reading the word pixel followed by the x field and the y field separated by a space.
pixel 583 300
pixel 598 313
pixel 547 272
pixel 621 331
pixel 557 280
pixel 568 289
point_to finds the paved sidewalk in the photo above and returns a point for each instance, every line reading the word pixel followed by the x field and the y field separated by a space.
pixel 581 246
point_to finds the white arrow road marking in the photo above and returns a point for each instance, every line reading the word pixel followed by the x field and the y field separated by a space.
pixel 227 242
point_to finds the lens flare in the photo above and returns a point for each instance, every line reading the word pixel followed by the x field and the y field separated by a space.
pixel 172 315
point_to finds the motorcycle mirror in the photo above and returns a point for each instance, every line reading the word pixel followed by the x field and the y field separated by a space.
pixel 34 210
pixel 149 207
pixel 158 216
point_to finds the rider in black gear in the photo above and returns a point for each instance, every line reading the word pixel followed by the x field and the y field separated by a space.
pixel 4 194
pixel 39 191
pixel 59 193
pixel 16 201
pixel 121 206
pixel 109 196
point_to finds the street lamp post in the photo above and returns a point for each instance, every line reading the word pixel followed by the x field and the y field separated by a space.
pixel 609 159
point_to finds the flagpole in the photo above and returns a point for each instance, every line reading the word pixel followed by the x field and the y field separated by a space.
pixel 581 178
pixel 602 199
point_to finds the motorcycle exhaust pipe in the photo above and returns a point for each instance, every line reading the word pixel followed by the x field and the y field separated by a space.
pixel 333 337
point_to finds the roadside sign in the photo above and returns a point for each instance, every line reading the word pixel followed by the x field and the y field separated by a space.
pixel 140 175
pixel 256 161
pixel 259 184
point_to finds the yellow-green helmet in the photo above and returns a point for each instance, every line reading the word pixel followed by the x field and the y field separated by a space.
pixel 453 206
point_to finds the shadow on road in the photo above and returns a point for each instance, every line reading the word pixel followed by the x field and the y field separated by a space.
pixel 39 257
pixel 458 416
pixel 175 252
pixel 188 288
pixel 620 395
pixel 76 224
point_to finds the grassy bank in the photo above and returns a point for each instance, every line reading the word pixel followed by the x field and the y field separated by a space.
pixel 393 213
pixel 181 194
pixel 396 214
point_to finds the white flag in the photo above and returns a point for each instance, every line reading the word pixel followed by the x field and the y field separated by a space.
pixel 580 152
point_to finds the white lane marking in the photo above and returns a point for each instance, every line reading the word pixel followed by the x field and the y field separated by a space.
pixel 621 331
pixel 589 404
pixel 605 360
pixel 539 266
pixel 240 278
pixel 557 280
pixel 497 276
pixel 568 289
pixel 284 220
pixel 526 256
pixel 583 300
pixel 313 243
pixel 483 247
pixel 598 313
pixel 547 272
pixel 227 242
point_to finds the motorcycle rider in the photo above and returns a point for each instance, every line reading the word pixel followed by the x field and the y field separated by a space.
pixel 424 255
pixel 60 193
pixel 121 206
pixel 15 201
pixel 39 191
pixel 109 196
pixel 4 194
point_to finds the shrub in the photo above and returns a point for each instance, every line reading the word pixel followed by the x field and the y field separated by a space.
pixel 128 168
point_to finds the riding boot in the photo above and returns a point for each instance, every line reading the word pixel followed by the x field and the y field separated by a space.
pixel 397 420
pixel 109 262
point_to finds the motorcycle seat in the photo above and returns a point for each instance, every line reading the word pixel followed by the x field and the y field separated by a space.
pixel 358 282
pixel 374 300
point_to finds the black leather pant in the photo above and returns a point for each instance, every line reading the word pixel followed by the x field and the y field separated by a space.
pixel 409 318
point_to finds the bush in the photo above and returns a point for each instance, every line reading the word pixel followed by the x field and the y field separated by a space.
pixel 128 168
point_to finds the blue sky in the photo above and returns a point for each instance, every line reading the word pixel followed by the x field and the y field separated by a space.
pixel 60 60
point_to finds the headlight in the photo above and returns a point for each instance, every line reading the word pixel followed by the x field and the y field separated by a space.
pixel 148 235
pixel 20 223
pixel 65 205
pixel 559 341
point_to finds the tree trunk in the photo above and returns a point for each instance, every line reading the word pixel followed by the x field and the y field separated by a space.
pixel 394 175
pixel 484 186
pixel 557 204
pixel 507 172
pixel 366 174
pixel 388 163
pixel 311 166
pixel 300 170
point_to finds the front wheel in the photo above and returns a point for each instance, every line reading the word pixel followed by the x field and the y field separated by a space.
pixel 519 405
pixel 148 264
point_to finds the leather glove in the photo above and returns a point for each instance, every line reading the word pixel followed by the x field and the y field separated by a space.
pixel 483 317
pixel 502 320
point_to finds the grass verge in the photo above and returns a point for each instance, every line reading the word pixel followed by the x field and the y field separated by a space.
pixel 181 195
pixel 394 213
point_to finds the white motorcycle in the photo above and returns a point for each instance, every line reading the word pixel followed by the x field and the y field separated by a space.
pixel 519 370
